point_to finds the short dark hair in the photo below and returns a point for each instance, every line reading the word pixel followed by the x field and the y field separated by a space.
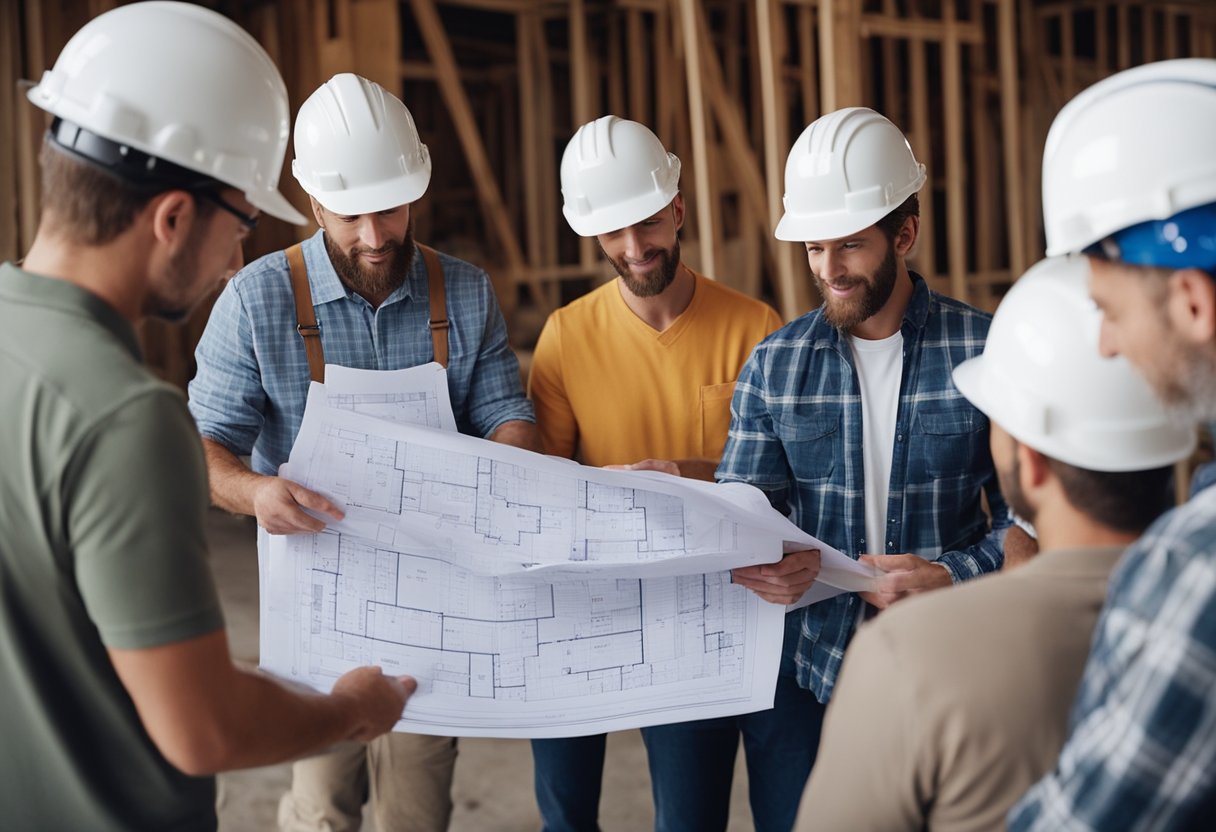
pixel 1128 501
pixel 90 205
pixel 892 222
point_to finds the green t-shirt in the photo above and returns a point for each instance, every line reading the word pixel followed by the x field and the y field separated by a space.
pixel 103 496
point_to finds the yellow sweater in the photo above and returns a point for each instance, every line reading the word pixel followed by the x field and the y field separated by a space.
pixel 609 389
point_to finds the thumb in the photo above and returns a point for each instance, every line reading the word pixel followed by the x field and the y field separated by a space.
pixel 409 683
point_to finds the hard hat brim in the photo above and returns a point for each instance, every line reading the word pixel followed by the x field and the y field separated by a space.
pixel 616 217
pixel 276 205
pixel 382 196
pixel 832 226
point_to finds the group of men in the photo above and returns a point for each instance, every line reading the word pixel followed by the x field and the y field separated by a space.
pixel 903 427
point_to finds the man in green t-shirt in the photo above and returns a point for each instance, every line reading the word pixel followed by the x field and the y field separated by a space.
pixel 119 695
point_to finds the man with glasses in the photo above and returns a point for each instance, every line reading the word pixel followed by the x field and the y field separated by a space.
pixel 120 697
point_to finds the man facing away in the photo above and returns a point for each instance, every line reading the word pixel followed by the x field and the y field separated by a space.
pixel 120 697
pixel 1129 178
pixel 641 368
pixel 848 420
pixel 950 705
pixel 360 159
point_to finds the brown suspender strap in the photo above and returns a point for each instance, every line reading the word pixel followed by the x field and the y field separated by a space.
pixel 438 303
pixel 306 315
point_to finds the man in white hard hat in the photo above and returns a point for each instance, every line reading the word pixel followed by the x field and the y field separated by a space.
pixel 358 293
pixel 1129 178
pixel 847 418
pixel 120 697
pixel 640 369
pixel 950 705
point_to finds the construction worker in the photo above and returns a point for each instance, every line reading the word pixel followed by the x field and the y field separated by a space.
pixel 1129 178
pixel 368 297
pixel 848 420
pixel 640 369
pixel 120 697
pixel 965 695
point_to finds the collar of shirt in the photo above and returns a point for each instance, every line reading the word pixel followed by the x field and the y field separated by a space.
pixel 328 287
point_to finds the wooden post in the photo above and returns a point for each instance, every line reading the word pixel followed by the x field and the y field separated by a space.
pixel 639 90
pixel 580 101
pixel 707 229
pixel 922 142
pixel 427 17
pixel 840 65
pixel 956 209
pixel 10 102
pixel 526 28
pixel 809 64
pixel 1011 135
pixel 791 287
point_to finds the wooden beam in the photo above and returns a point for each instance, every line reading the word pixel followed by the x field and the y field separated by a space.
pixel 1007 58
pixel 840 64
pixel 904 28
pixel 580 101
pixel 526 27
pixel 792 296
pixel 956 194
pixel 457 101
pixel 11 100
pixel 808 64
pixel 639 89
pixel 707 229
pixel 921 141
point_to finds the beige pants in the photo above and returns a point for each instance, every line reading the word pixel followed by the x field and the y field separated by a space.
pixel 408 776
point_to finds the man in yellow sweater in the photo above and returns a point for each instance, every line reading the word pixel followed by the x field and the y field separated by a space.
pixel 640 369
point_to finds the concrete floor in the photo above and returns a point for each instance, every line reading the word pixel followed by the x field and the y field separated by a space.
pixel 493 786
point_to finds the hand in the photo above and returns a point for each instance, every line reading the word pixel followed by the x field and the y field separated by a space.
pixel 783 582
pixel 1019 548
pixel 905 575
pixel 666 466
pixel 279 506
pixel 378 700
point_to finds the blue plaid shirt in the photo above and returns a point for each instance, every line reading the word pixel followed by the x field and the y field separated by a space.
pixel 252 381
pixel 796 433
pixel 1142 753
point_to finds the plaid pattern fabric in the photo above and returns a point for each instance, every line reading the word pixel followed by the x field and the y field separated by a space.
pixel 796 433
pixel 252 381
pixel 1142 754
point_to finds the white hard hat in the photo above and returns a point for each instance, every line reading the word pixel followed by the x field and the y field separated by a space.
pixel 848 170
pixel 181 84
pixel 357 149
pixel 1137 146
pixel 1042 379
pixel 615 173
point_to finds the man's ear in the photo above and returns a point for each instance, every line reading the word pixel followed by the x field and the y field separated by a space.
pixel 677 210
pixel 906 238
pixel 1191 305
pixel 1033 469
pixel 173 214
pixel 316 211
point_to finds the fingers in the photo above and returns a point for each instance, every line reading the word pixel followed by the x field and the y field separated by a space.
pixel 279 507
pixel 665 466
pixel 777 593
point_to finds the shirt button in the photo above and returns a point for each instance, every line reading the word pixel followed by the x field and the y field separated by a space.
pixel 899 437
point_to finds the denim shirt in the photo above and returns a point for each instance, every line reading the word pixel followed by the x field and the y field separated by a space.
pixel 252 381
pixel 796 433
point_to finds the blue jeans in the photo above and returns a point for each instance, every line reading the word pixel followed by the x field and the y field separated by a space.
pixel 692 764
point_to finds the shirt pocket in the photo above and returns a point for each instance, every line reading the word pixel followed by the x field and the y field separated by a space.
pixel 811 439
pixel 715 418
pixel 953 442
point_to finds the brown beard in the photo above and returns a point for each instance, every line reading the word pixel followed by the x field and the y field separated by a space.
pixel 377 281
pixel 876 291
pixel 657 279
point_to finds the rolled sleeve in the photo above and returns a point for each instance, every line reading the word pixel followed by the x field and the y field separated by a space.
pixel 496 393
pixel 227 399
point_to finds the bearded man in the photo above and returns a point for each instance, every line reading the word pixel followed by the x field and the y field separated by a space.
pixel 847 417
pixel 360 159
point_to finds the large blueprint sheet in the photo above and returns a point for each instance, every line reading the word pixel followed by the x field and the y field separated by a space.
pixel 530 597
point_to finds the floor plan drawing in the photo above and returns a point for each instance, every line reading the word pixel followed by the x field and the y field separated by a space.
pixel 510 657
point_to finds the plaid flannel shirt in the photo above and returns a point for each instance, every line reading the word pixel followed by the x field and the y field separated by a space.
pixel 1142 753
pixel 796 433
pixel 252 381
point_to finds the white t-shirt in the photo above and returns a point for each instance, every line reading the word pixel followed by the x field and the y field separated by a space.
pixel 880 368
